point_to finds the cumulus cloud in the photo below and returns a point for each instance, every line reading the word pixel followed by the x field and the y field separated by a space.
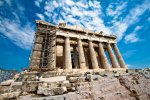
pixel 87 14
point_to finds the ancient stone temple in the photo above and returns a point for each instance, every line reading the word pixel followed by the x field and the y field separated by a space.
pixel 70 48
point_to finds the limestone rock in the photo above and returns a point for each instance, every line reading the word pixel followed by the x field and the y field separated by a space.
pixel 6 83
pixel 11 95
pixel 137 84
pixel 51 91
pixel 53 79
pixel 16 86
pixel 30 86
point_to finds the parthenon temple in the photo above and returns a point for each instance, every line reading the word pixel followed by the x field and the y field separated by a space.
pixel 70 48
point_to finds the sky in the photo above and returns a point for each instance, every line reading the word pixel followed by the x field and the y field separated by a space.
pixel 129 20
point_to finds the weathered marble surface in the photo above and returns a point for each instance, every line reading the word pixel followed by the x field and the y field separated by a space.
pixel 108 85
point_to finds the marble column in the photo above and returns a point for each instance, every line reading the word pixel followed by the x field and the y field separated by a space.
pixel 93 56
pixel 68 64
pixel 103 58
pixel 119 57
pixel 75 58
pixel 82 62
pixel 112 56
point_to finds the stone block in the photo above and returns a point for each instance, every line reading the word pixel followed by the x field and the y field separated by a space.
pixel 16 83
pixel 30 86
pixel 6 83
pixel 51 91
pixel 53 79
pixel 73 79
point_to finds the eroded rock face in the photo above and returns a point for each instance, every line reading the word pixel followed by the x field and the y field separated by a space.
pixel 11 95
pixel 92 86
pixel 7 83
pixel 30 86
pixel 138 85
pixel 50 89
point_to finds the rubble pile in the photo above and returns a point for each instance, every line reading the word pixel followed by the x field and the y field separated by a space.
pixel 106 85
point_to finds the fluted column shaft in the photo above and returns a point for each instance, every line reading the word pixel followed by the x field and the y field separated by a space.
pixel 93 56
pixel 112 57
pixel 82 63
pixel 119 57
pixel 75 58
pixel 103 59
pixel 68 64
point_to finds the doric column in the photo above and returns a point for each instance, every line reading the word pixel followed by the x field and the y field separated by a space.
pixel 93 56
pixel 68 64
pixel 75 57
pixel 103 59
pixel 82 63
pixel 119 57
pixel 112 57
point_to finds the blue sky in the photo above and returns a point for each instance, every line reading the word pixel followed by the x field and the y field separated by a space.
pixel 129 20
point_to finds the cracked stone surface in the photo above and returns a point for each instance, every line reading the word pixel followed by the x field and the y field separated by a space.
pixel 131 85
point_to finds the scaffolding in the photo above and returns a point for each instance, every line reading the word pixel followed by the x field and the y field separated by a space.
pixel 48 36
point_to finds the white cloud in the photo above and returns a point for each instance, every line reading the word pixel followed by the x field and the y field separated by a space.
pixel 131 38
pixel 12 27
pixel 21 36
pixel 77 13
pixel 37 2
pixel 115 9
pixel 41 16
pixel 119 27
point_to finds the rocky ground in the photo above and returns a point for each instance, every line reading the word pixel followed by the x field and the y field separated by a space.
pixel 107 85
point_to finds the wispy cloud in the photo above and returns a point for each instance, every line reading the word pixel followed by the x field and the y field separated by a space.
pixel 132 37
pixel 41 16
pixel 21 36
pixel 116 9
pixel 89 14
pixel 12 27
pixel 128 53
pixel 120 26
pixel 37 2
